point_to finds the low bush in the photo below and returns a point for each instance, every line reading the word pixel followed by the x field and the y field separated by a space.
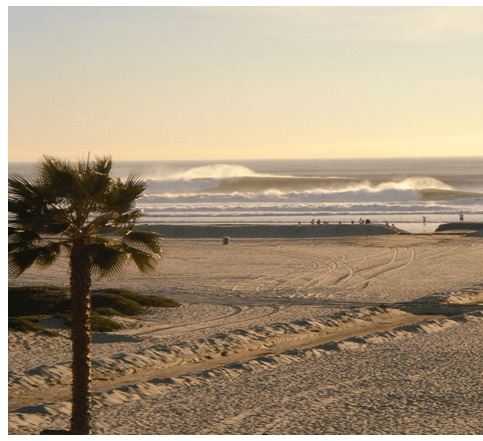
pixel 30 300
pixel 103 324
pixel 116 302
pixel 108 312
pixel 143 299
pixel 27 305
pixel 25 325
pixel 98 322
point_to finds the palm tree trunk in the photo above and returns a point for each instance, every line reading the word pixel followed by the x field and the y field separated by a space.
pixel 80 288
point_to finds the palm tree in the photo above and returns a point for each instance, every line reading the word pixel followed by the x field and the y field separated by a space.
pixel 82 210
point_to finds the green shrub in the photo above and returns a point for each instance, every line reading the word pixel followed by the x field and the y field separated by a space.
pixel 108 311
pixel 142 299
pixel 27 305
pixel 103 324
pixel 25 325
pixel 37 300
pixel 98 322
pixel 116 302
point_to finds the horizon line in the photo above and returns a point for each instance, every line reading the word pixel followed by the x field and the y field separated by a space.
pixel 265 159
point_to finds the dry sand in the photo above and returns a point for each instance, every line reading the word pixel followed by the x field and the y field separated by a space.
pixel 372 334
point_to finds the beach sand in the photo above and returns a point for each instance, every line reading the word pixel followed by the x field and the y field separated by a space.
pixel 359 334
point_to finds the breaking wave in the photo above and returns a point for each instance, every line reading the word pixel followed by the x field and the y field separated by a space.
pixel 238 182
pixel 235 193
pixel 218 171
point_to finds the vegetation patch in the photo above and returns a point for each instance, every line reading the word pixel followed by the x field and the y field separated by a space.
pixel 24 324
pixel 35 300
pixel 99 323
pixel 108 312
pixel 116 302
pixel 143 299
pixel 28 305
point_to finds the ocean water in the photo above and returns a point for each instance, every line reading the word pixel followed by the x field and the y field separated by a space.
pixel 398 191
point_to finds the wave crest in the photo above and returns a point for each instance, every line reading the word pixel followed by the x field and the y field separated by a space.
pixel 218 171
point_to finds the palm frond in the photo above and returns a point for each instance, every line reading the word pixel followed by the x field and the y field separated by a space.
pixel 24 236
pixel 22 258
pixel 61 177
pixel 19 239
pixel 146 262
pixel 127 219
pixel 145 240
pixel 106 259
pixel 49 254
pixel 32 207
pixel 95 179
pixel 122 195
pixel 103 165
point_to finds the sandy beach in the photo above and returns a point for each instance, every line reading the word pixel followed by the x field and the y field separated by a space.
pixel 360 334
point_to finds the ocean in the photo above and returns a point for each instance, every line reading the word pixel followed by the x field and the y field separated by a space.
pixel 397 191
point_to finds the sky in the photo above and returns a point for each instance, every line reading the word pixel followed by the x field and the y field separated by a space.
pixel 207 83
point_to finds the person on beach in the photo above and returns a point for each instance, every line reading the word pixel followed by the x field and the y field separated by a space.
pixel 318 221
pixel 462 216
pixel 424 220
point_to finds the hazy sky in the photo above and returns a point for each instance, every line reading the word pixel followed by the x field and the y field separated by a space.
pixel 238 83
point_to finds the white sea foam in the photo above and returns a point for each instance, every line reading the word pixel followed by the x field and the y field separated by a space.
pixel 218 171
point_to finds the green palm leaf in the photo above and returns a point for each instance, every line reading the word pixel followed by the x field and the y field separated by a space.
pixel 106 260
pixel 145 262
pixel 144 240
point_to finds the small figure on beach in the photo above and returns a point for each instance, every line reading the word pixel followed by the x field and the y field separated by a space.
pixel 462 216
pixel 352 221
pixel 387 223
pixel 361 221
pixel 424 220
pixel 340 222
pixel 318 221
pixel 368 221
pixel 312 221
